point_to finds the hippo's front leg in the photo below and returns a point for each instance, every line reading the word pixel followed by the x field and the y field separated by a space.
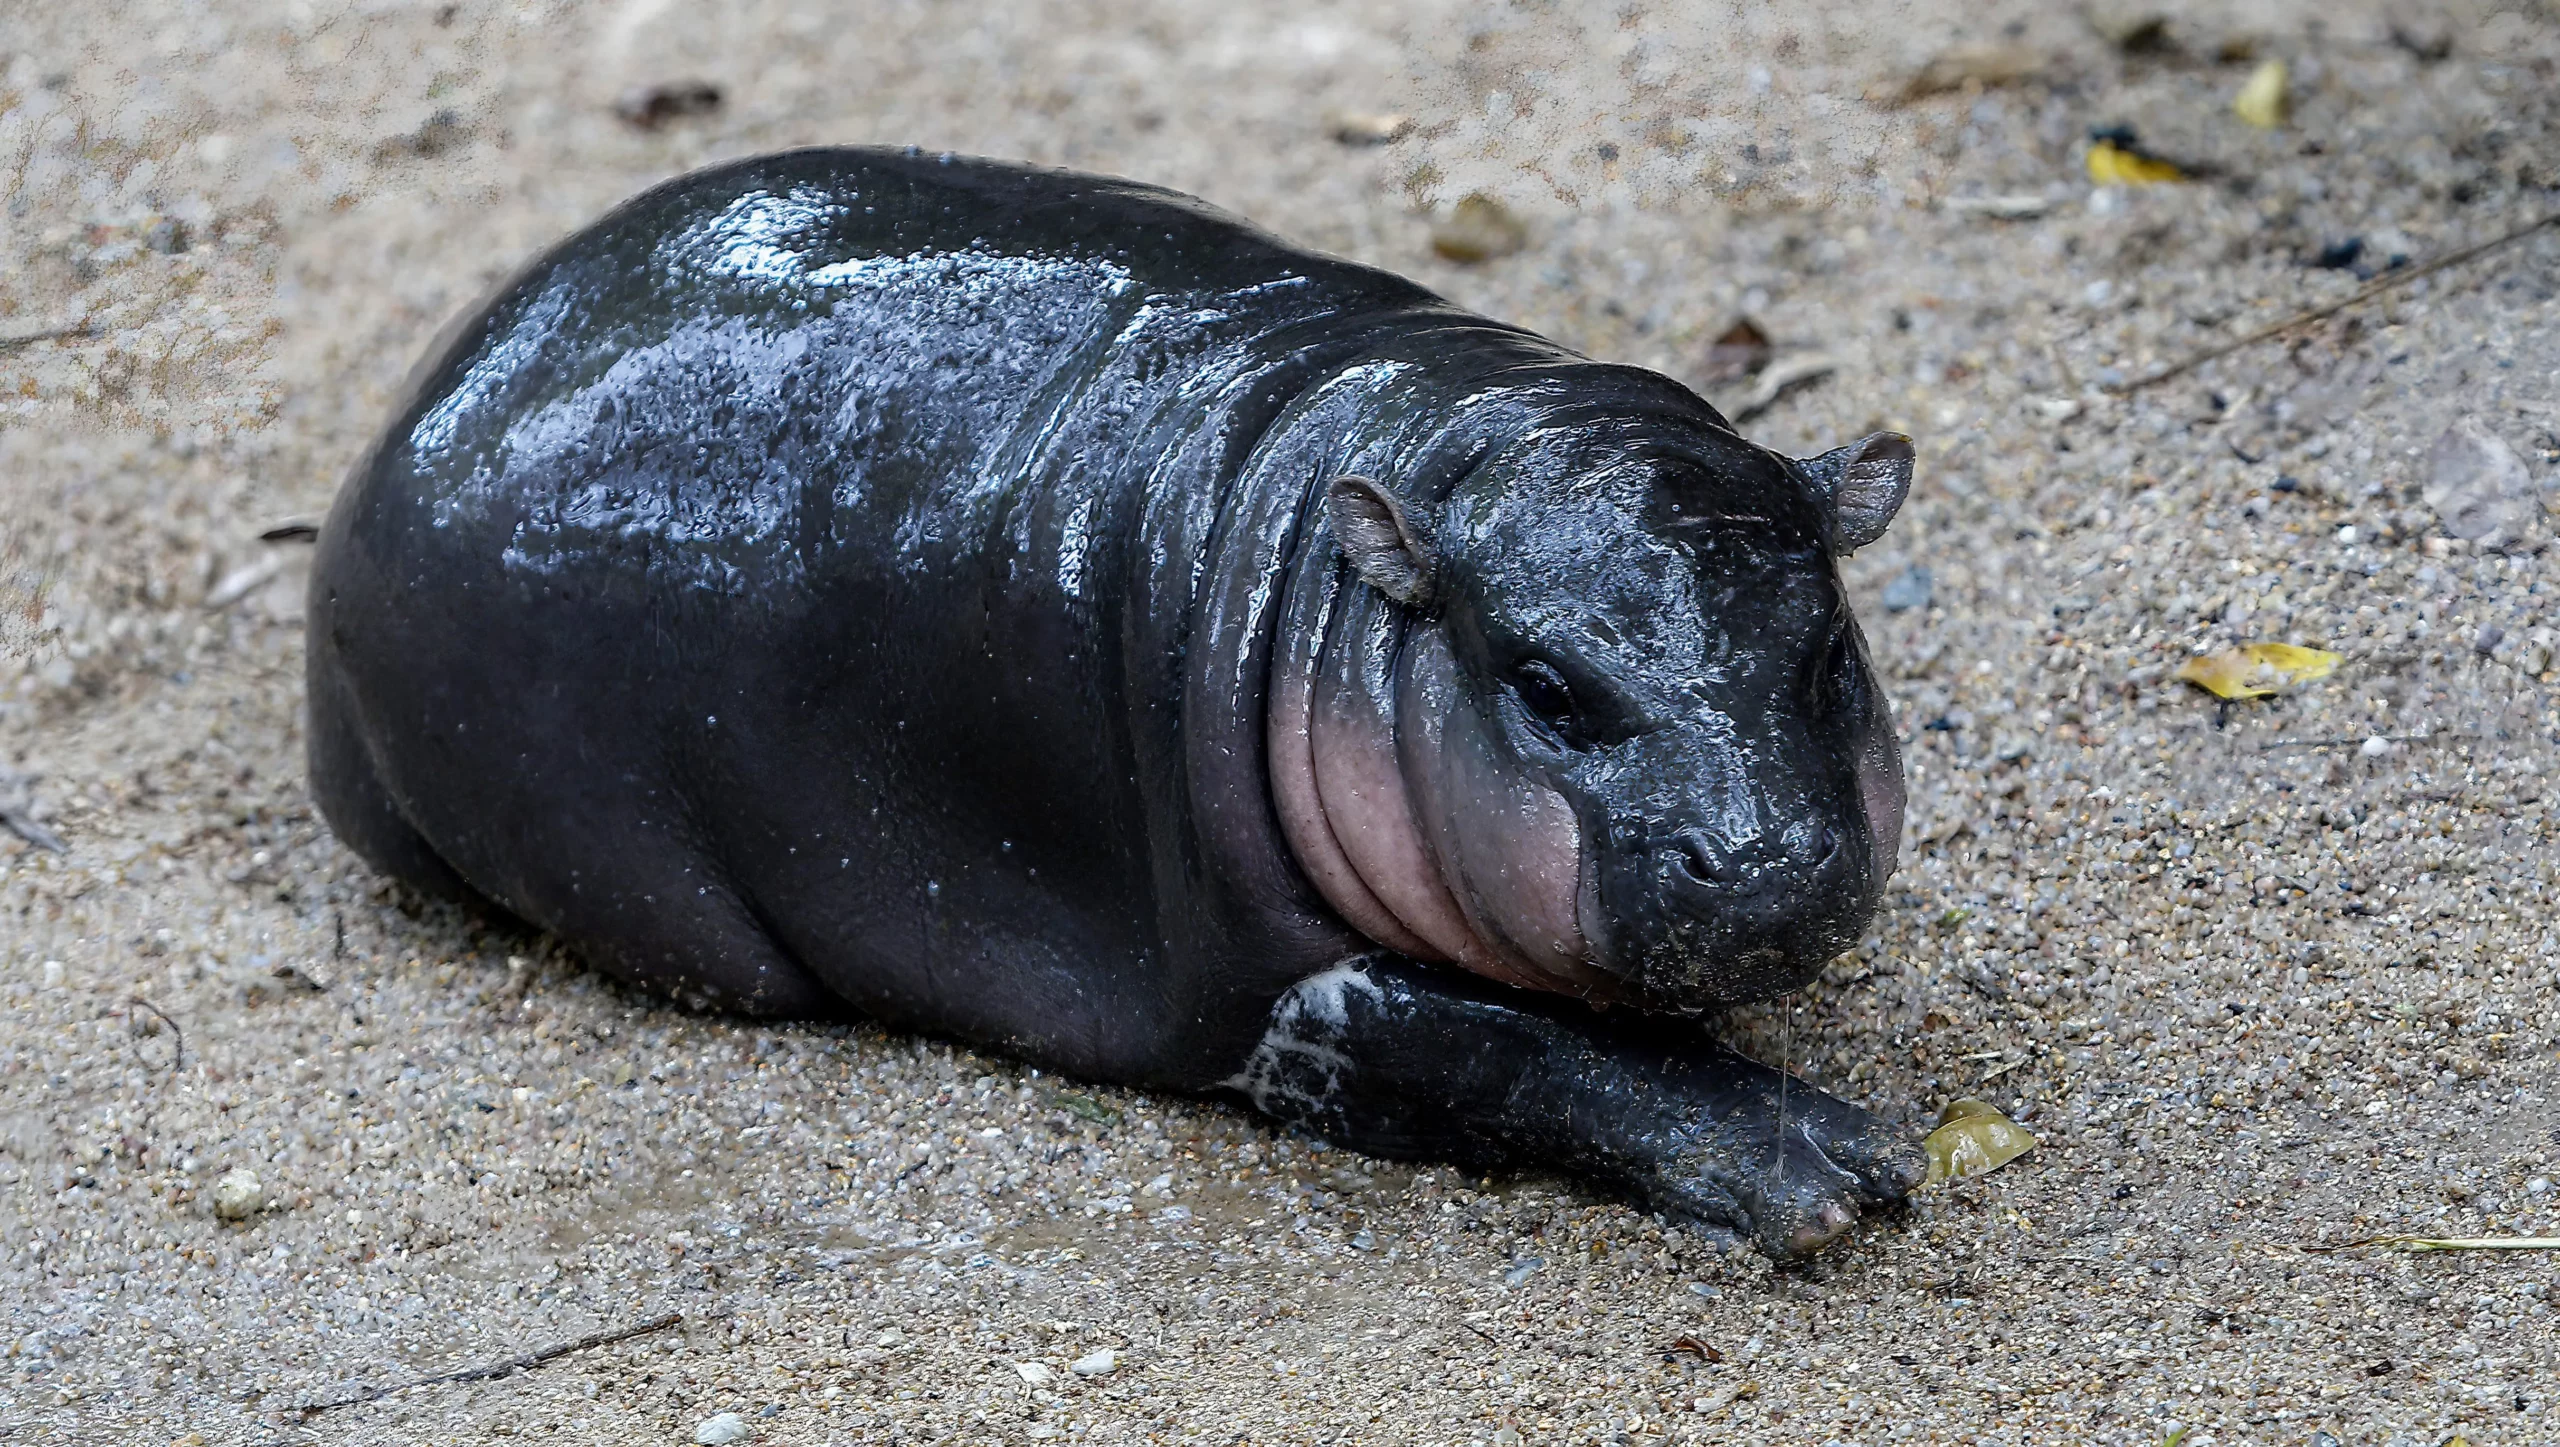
pixel 1402 1060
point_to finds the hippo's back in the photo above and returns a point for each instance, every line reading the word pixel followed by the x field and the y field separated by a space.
pixel 742 368
pixel 754 593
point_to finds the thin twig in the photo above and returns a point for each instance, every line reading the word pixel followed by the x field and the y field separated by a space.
pixel 500 1368
pixel 2362 294
pixel 17 812
pixel 177 1062
pixel 2447 1243
pixel 17 822
pixel 29 339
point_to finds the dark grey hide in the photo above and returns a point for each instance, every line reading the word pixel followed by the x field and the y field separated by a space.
pixel 1045 611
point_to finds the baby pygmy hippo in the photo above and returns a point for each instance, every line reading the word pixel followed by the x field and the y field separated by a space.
pixel 1046 611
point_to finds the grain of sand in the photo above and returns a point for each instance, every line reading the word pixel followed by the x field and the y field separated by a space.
pixel 2254 984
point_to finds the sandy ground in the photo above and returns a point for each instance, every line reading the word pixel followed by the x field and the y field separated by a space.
pixel 2255 984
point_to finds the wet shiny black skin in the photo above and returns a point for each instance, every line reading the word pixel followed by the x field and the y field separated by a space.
pixel 848 578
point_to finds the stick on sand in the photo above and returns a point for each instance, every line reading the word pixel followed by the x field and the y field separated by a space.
pixel 2364 293
pixel 500 1368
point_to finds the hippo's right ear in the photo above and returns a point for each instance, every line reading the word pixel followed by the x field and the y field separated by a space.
pixel 1386 545
pixel 1861 486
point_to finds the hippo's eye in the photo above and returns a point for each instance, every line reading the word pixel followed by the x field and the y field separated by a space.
pixel 1544 693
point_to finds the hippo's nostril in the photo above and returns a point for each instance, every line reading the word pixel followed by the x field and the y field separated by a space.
pixel 1695 857
pixel 1823 846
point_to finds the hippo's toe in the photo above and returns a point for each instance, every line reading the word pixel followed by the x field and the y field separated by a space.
pixel 1791 1178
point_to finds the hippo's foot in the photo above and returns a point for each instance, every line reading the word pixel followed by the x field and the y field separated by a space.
pixel 1402 1060
pixel 1790 1168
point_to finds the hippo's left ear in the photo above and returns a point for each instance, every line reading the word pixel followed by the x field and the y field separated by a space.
pixel 1387 545
pixel 1860 487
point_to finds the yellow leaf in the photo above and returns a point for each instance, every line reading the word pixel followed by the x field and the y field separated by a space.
pixel 1973 1137
pixel 2255 670
pixel 2298 665
pixel 2224 675
pixel 2114 165
pixel 2262 101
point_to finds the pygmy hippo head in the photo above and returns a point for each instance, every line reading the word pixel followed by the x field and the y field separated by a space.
pixel 1640 749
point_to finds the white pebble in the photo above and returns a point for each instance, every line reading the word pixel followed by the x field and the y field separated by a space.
pixel 2375 747
pixel 727 1427
pixel 1096 1364
pixel 237 1196
pixel 53 974
pixel 2348 535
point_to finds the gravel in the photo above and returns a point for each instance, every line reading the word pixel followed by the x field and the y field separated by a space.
pixel 2256 984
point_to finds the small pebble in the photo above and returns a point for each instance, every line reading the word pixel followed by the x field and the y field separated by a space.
pixel 2375 747
pixel 1095 1364
pixel 1983 66
pixel 1368 128
pixel 1911 588
pixel 1739 351
pixel 442 132
pixel 237 1196
pixel 53 974
pixel 726 1427
pixel 2262 102
pixel 647 107
pixel 1479 228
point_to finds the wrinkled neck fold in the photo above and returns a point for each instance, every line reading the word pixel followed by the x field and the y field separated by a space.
pixel 1364 805
pixel 1357 731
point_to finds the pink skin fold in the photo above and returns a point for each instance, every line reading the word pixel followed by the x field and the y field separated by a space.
pixel 1306 823
pixel 1364 792
pixel 1361 758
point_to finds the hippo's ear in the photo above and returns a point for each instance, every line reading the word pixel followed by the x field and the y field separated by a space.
pixel 1861 486
pixel 1386 545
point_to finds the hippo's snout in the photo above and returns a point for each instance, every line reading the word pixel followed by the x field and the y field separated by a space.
pixel 1704 919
